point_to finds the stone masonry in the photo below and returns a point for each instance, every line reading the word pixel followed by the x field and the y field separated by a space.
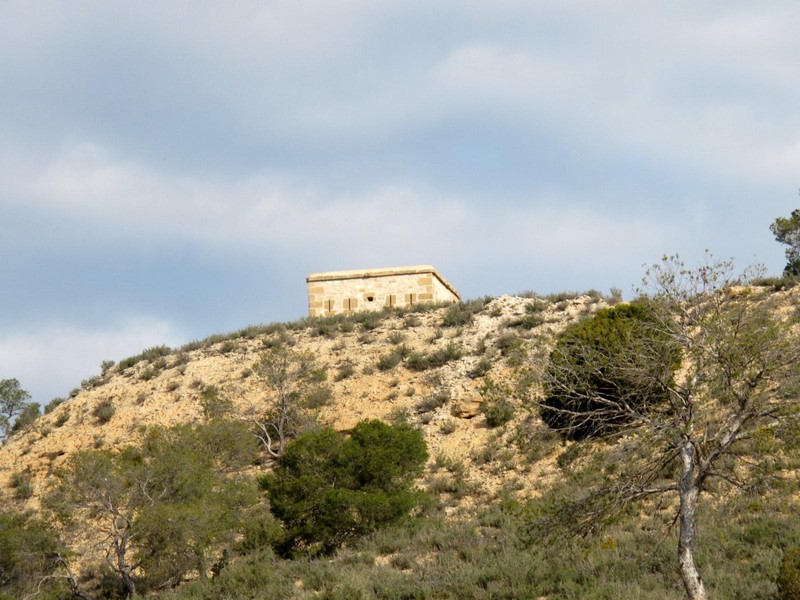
pixel 337 292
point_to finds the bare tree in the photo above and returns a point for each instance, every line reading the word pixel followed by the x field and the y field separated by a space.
pixel 95 482
pixel 287 375
pixel 684 421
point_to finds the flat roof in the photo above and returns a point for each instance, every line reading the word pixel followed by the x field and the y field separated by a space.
pixel 382 272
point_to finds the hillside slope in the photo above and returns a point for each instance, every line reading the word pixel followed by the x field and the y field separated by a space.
pixel 494 339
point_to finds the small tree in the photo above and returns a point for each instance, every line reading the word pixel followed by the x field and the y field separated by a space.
pixel 13 400
pixel 686 427
pixel 160 507
pixel 787 231
pixel 328 488
pixel 287 376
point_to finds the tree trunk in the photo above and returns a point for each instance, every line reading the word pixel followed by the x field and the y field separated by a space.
pixel 689 495
pixel 121 548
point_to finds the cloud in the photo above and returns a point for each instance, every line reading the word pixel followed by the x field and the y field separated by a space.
pixel 48 360
pixel 387 224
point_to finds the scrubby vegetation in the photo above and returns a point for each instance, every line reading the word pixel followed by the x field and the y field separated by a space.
pixel 553 475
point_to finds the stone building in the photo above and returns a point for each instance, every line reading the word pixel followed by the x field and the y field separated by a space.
pixel 337 292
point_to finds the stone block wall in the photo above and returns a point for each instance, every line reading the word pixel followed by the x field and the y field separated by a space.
pixel 339 292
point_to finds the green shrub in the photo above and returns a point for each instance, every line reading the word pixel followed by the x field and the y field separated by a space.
pixel 536 306
pixel 411 321
pixel 789 575
pixel 447 427
pixel 53 404
pixel 497 412
pixel 260 530
pixel 62 418
pixel 582 368
pixel 317 396
pixel 327 488
pixel 433 401
pixel 22 485
pixel 228 346
pixel 496 407
pixel 369 320
pixel 437 358
pixel 533 439
pixel 396 337
pixel 345 370
pixel 481 368
pixel 150 354
pixel 462 313
pixel 104 411
pixel 92 382
pixel 418 362
pixel 389 361
pixel 214 404
pixel 528 321
pixel 558 297
pixel 508 343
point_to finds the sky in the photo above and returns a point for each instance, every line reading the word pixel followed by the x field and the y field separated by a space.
pixel 170 170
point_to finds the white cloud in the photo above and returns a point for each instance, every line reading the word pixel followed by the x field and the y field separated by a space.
pixel 260 211
pixel 386 224
pixel 49 360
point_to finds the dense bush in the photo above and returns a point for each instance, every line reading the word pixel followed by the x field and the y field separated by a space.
pixel 328 488
pixel 497 412
pixel 104 411
pixel 583 373
pixel 28 552
pixel 789 575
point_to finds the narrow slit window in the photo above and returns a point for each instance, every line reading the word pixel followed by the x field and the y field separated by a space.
pixel 328 305
pixel 391 300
